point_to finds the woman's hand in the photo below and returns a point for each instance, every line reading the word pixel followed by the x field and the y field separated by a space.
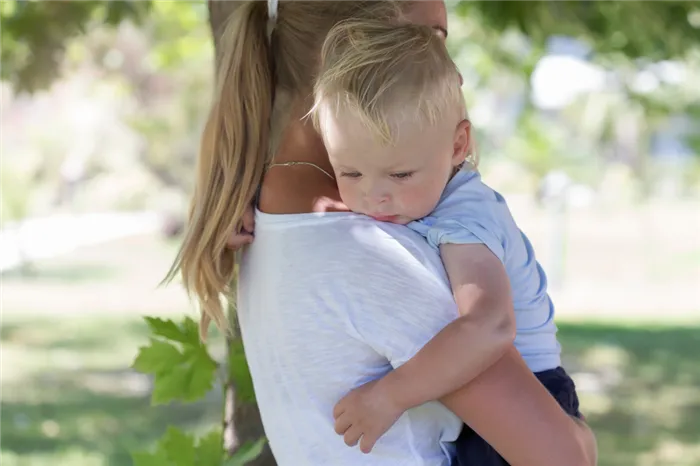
pixel 245 236
pixel 367 412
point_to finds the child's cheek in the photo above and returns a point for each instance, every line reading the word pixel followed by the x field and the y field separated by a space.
pixel 350 195
pixel 413 200
pixel 420 200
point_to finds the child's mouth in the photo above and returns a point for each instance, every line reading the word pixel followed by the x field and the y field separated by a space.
pixel 385 218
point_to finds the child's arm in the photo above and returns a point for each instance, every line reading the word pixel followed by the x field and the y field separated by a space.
pixel 482 333
pixel 461 351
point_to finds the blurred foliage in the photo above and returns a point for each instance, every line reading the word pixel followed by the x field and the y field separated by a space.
pixel 648 71
pixel 177 98
pixel 133 98
pixel 34 34
pixel 15 193
pixel 540 147
pixel 150 63
pixel 634 29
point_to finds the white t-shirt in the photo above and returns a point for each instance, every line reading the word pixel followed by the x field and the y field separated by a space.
pixel 328 302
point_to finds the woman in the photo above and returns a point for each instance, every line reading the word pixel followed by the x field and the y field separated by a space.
pixel 331 300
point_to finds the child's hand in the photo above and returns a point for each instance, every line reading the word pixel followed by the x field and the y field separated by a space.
pixel 245 236
pixel 367 412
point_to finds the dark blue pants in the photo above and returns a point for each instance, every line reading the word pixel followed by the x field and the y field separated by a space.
pixel 472 450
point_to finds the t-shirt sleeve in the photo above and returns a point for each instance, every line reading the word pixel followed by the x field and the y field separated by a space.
pixel 466 229
pixel 403 304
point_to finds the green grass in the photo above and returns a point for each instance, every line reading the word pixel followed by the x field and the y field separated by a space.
pixel 640 390
pixel 70 399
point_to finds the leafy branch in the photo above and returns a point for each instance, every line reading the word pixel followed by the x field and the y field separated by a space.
pixel 183 370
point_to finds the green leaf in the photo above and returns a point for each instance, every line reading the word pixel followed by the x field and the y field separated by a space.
pixel 240 373
pixel 157 357
pixel 144 458
pixel 186 374
pixel 247 453
pixel 179 447
pixel 190 329
pixel 202 372
pixel 169 386
pixel 210 451
pixel 187 379
pixel 166 328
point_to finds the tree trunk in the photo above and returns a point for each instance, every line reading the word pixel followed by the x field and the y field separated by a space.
pixel 241 420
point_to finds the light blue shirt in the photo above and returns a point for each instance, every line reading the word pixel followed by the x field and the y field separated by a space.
pixel 469 212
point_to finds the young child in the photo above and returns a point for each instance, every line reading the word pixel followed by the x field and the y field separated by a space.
pixel 390 110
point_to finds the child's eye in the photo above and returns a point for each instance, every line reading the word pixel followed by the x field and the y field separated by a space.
pixel 402 175
pixel 351 174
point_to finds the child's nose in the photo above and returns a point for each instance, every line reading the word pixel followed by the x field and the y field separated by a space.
pixel 377 196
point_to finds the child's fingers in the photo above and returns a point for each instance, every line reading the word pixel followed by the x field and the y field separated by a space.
pixel 326 204
pixel 367 442
pixel 338 409
pixel 352 436
pixel 249 220
pixel 237 240
pixel 342 424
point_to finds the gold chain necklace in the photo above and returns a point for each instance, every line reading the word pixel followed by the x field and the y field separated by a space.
pixel 291 164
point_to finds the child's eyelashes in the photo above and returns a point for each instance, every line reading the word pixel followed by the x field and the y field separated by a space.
pixel 397 176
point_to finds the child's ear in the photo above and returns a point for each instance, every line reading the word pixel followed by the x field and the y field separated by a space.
pixel 462 142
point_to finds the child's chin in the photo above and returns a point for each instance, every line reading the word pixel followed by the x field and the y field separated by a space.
pixel 400 220
pixel 403 221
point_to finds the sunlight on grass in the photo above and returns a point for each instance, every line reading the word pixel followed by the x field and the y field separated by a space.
pixel 70 398
pixel 640 390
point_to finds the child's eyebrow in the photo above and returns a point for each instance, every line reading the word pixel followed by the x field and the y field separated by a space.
pixel 401 166
pixel 345 168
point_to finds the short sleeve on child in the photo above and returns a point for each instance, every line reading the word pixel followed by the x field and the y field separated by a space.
pixel 460 230
pixel 469 212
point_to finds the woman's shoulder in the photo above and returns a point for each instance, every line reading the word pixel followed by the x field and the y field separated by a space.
pixel 346 241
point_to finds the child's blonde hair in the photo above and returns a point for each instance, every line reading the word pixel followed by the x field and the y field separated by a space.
pixel 235 147
pixel 385 73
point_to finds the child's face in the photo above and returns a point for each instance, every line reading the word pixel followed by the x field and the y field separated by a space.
pixel 398 183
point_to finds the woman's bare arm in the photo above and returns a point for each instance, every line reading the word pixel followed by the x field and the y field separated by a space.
pixel 514 413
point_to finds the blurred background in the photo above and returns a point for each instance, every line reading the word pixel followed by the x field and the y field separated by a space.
pixel 588 121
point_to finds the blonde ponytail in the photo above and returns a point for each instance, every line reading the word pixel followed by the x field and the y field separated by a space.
pixel 235 145
pixel 232 159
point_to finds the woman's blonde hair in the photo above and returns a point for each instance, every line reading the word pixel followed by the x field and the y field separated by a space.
pixel 235 146
pixel 385 73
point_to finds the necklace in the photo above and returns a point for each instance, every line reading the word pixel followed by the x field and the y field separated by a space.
pixel 291 164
